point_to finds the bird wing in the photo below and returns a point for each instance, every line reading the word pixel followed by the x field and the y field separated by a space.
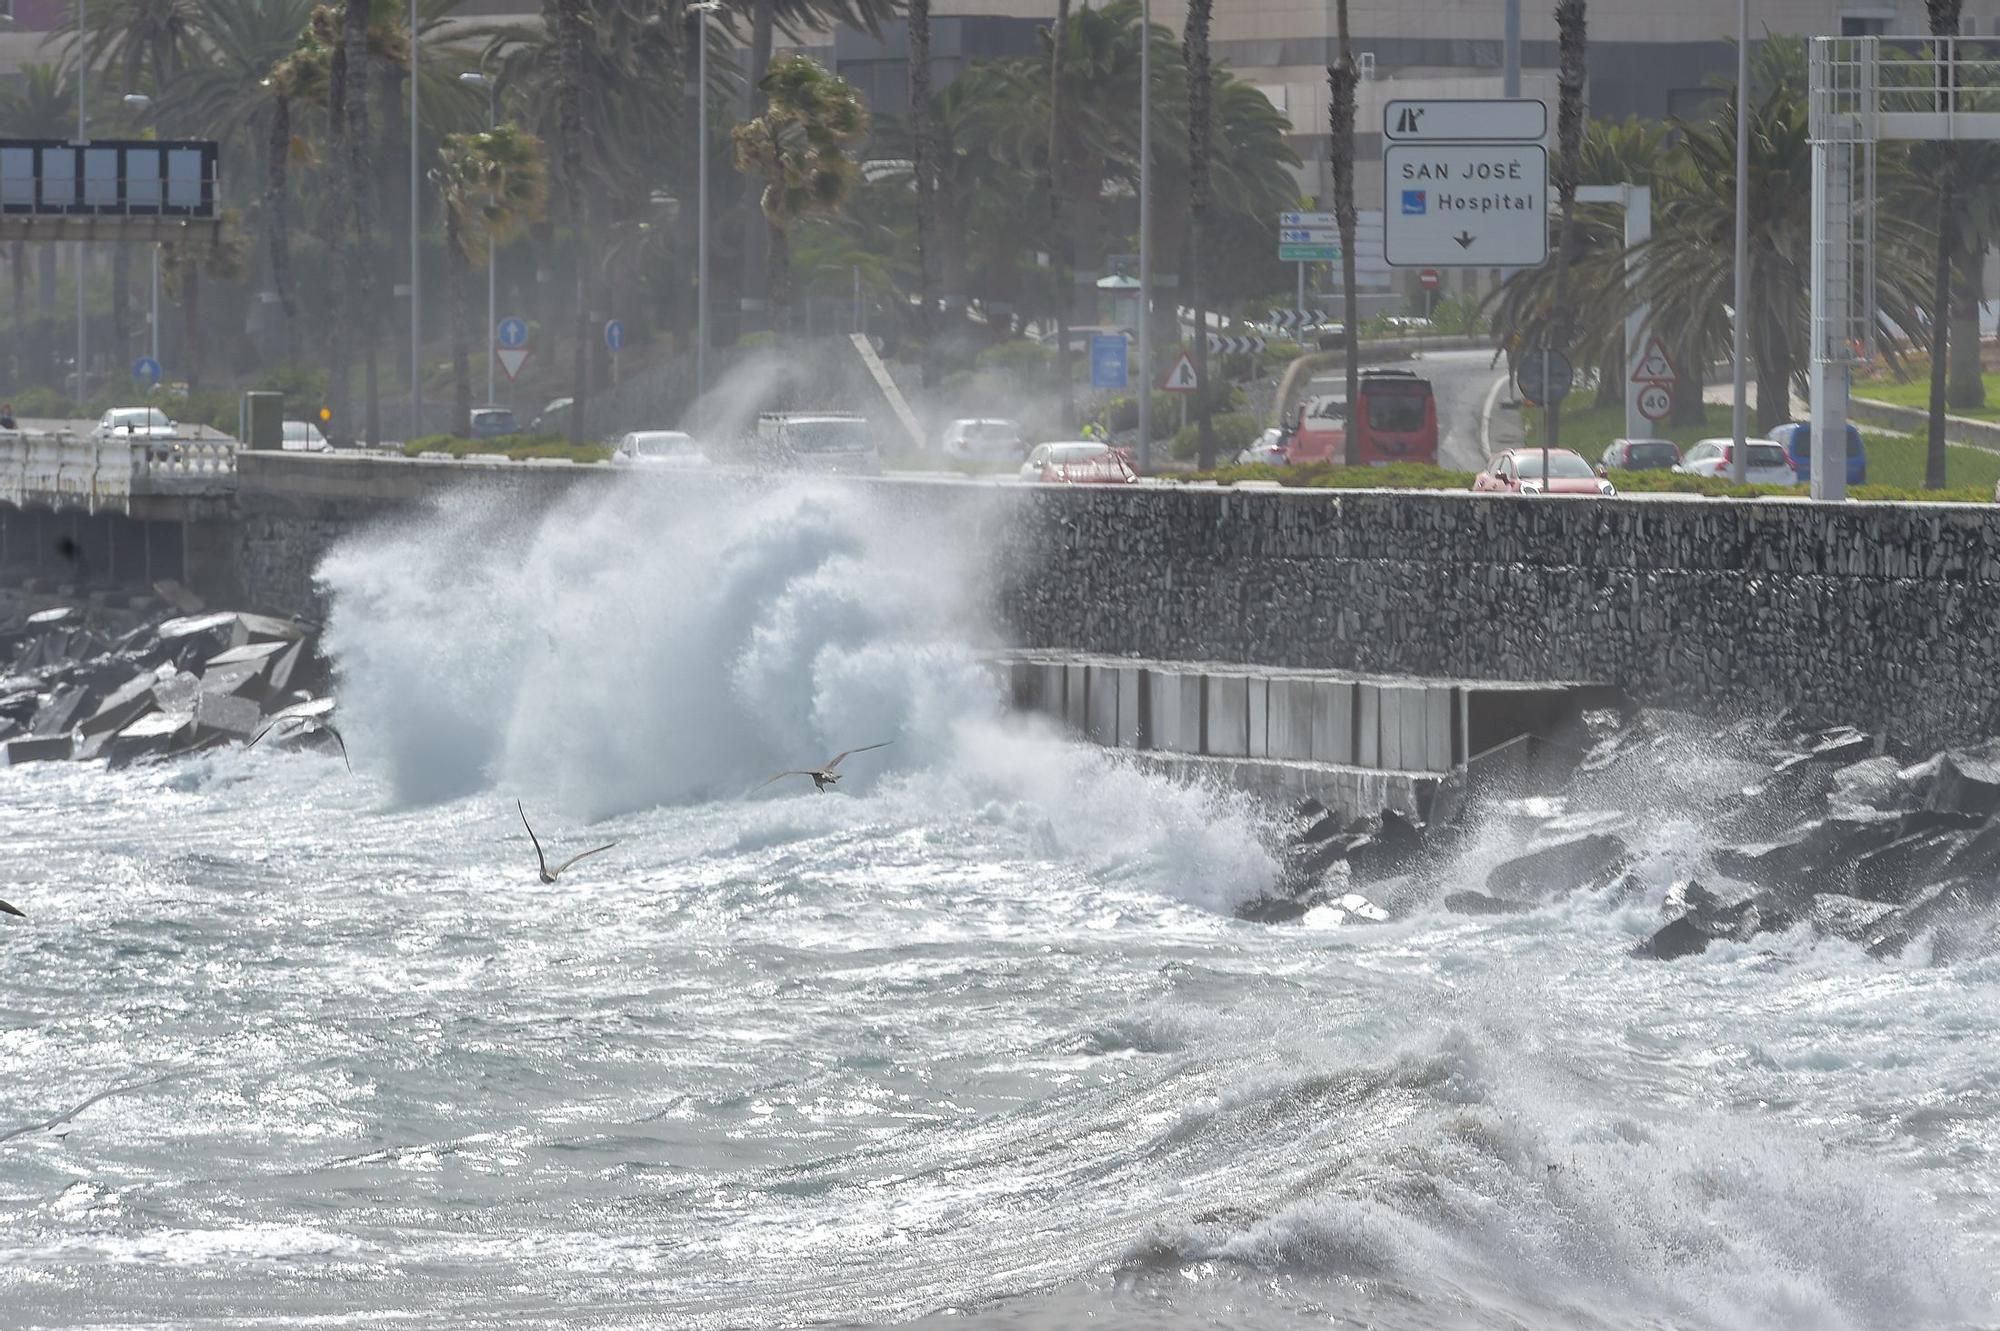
pixel 283 720
pixel 343 749
pixel 539 858
pixel 574 858
pixel 782 775
pixel 835 762
pixel 12 911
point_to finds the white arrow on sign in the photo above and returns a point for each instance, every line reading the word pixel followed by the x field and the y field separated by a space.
pixel 512 359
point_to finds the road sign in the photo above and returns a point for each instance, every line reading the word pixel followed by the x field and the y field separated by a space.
pixel 1655 401
pixel 1224 344
pixel 1655 367
pixel 1466 205
pixel 1465 120
pixel 1308 235
pixel 1308 219
pixel 512 359
pixel 1309 253
pixel 614 336
pixel 1544 376
pixel 1290 319
pixel 146 370
pixel 1429 279
pixel 1181 378
pixel 1109 360
pixel 512 333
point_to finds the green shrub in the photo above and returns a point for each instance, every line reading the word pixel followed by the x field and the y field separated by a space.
pixel 1234 432
pixel 1122 413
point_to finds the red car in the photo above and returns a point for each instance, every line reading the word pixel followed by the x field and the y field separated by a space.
pixel 1519 471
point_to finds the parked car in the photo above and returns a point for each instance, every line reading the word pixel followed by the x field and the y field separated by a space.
pixel 983 440
pixel 661 448
pixel 1319 431
pixel 1768 463
pixel 304 437
pixel 823 441
pixel 1079 462
pixel 1796 437
pixel 493 422
pixel 1520 471
pixel 1641 455
pixel 1270 448
pixel 135 423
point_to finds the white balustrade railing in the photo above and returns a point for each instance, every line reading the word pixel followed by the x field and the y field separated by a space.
pixel 66 470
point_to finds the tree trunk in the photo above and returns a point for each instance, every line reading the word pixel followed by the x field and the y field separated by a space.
pixel 121 304
pixel 1055 181
pixel 756 262
pixel 778 276
pixel 1610 378
pixel 1341 79
pixel 925 166
pixel 1774 367
pixel 569 25
pixel 1201 96
pixel 342 309
pixel 1688 408
pixel 277 219
pixel 1944 22
pixel 461 368
pixel 361 208
pixel 1967 389
pixel 1571 44
pixel 191 347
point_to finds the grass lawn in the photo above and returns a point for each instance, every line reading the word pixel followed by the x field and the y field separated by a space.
pixel 1916 392
pixel 1893 460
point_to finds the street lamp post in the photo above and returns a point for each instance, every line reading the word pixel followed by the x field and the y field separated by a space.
pixel 82 137
pixel 1146 236
pixel 492 286
pixel 416 232
pixel 1739 424
pixel 139 101
pixel 704 8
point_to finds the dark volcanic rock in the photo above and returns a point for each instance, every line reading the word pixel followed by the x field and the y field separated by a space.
pixel 63 712
pixel 48 748
pixel 1478 903
pixel 1898 870
pixel 1562 866
pixel 1967 781
pixel 1865 922
pixel 1392 848
pixel 1795 791
pixel 1703 918
pixel 124 705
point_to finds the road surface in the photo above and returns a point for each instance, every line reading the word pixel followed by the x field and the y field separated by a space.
pixel 1463 381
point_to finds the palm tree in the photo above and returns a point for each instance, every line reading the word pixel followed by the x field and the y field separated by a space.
pixel 1201 90
pixel 491 184
pixel 568 21
pixel 1341 78
pixel 1944 18
pixel 926 173
pixel 152 38
pixel 799 147
pixel 1571 39
pixel 219 254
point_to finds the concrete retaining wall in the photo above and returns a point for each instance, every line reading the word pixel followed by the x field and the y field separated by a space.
pixel 1883 615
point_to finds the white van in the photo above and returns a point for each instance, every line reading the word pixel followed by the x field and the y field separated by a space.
pixel 822 441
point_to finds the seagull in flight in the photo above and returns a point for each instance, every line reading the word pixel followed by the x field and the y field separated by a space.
pixel 307 726
pixel 6 909
pixel 549 876
pixel 822 777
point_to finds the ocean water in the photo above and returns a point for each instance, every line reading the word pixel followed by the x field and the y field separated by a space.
pixel 973 1041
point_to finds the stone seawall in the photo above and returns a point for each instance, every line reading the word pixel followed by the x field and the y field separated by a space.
pixel 1880 615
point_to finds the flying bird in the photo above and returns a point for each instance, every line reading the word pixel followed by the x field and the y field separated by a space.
pixel 549 875
pixel 307 726
pixel 822 777
pixel 6 909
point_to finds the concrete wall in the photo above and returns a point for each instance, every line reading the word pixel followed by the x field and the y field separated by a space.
pixel 1878 614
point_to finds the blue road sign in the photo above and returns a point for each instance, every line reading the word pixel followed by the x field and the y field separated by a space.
pixel 1109 360
pixel 146 370
pixel 512 333
pixel 614 336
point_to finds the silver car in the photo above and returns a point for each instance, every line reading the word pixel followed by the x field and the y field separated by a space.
pixel 1768 464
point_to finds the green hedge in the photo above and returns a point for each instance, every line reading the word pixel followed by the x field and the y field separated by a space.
pixel 1234 432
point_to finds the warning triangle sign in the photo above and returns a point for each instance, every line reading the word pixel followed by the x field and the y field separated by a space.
pixel 1654 367
pixel 512 359
pixel 1181 378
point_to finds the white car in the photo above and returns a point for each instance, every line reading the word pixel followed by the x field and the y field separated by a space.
pixel 983 440
pixel 304 437
pixel 135 423
pixel 1768 464
pixel 661 448
pixel 829 441
pixel 1267 449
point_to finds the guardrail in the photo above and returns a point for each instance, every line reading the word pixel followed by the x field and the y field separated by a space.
pixel 100 474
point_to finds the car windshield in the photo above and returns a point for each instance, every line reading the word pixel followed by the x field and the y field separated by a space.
pixel 501 418
pixel 661 445
pixel 827 436
pixel 1393 411
pixel 1329 409
pixel 1767 455
pixel 1651 454
pixel 991 431
pixel 137 418
pixel 1562 466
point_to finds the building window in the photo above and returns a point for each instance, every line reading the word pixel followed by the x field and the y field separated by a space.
pixel 1855 25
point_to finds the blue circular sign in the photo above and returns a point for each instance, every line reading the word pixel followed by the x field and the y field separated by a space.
pixel 614 335
pixel 146 370
pixel 512 333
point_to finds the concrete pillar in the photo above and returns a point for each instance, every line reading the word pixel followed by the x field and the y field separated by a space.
pixel 1102 713
pixel 1259 703
pixel 1131 714
pixel 1368 726
pixel 1076 698
pixel 1438 709
pixel 1332 722
pixel 1054 691
pixel 1228 716
pixel 1163 710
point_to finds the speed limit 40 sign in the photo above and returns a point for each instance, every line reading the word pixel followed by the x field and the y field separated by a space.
pixel 1655 401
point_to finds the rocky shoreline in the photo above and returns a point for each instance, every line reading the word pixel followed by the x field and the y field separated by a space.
pixel 127 678
pixel 1823 829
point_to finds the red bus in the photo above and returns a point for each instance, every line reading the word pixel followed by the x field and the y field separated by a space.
pixel 1397 423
